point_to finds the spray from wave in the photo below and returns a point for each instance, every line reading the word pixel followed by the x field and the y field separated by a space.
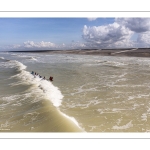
pixel 47 88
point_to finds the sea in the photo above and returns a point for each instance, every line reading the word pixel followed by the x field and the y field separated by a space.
pixel 89 93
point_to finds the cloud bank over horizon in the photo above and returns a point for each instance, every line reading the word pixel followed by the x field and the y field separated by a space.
pixel 31 45
pixel 121 33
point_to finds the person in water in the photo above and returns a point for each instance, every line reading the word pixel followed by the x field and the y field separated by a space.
pixel 32 72
pixel 44 78
pixel 51 78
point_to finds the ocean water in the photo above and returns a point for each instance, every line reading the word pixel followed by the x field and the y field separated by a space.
pixel 89 93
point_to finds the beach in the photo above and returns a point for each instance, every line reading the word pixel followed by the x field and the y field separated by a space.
pixel 131 52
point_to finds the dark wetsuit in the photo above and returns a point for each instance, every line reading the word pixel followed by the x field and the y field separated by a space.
pixel 51 78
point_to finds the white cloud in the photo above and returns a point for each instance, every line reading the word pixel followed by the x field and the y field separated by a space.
pixel 114 35
pixel 91 19
pixel 9 47
pixel 49 45
pixel 77 45
pixel 16 46
pixel 118 34
pixel 107 35
pixel 126 43
pixel 31 44
pixel 143 39
pixel 137 25
pixel 140 26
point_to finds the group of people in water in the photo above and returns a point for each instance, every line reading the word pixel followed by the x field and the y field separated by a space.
pixel 36 74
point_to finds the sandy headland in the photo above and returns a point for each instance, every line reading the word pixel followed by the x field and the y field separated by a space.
pixel 134 52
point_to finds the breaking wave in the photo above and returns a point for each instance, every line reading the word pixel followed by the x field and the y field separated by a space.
pixel 47 88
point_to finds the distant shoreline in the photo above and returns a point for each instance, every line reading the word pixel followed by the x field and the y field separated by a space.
pixel 134 52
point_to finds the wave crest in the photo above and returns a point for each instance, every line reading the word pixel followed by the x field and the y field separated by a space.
pixel 47 88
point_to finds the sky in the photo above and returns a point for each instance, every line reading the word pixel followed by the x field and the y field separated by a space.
pixel 73 33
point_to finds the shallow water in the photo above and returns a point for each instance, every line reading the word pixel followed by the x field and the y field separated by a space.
pixel 89 93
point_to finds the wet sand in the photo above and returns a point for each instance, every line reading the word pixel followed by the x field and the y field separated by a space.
pixel 134 52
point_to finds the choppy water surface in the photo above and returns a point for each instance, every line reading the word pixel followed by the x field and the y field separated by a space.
pixel 89 93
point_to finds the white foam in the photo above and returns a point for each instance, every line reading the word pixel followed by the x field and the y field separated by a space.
pixel 122 75
pixel 17 104
pixel 131 97
pixel 1 57
pixel 11 98
pixel 47 88
pixel 126 126
pixel 22 56
pixel 14 64
pixel 118 109
pixel 113 63
pixel 51 92
pixel 119 121
pixel 144 117
pixel 135 105
pixel 20 65
pixel 72 119
pixel 138 96
pixel 32 58
pixel 27 57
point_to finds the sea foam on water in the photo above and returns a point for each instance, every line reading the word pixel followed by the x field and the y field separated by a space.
pixel 47 88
